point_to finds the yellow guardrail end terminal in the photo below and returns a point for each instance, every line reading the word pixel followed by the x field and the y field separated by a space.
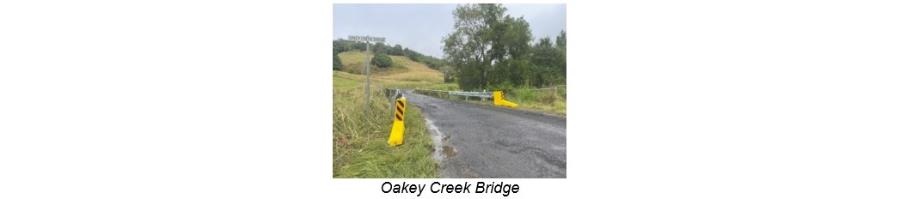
pixel 499 101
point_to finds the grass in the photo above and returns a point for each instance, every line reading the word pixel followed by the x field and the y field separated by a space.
pixel 404 73
pixel 551 101
pixel 403 69
pixel 416 72
pixel 360 135
pixel 353 62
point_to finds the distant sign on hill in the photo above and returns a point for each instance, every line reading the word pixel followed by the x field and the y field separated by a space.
pixel 365 38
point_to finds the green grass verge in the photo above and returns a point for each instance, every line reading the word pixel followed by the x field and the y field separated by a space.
pixel 360 135
pixel 551 101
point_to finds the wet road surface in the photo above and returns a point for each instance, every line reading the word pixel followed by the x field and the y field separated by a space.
pixel 479 141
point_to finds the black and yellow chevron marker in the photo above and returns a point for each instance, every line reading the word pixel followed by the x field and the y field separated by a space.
pixel 398 114
pixel 396 137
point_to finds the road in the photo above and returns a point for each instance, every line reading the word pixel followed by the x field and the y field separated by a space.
pixel 479 141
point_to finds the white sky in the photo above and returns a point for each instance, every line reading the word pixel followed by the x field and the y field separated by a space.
pixel 422 26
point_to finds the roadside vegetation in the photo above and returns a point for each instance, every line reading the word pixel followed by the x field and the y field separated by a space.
pixel 360 134
pixel 550 100
pixel 491 50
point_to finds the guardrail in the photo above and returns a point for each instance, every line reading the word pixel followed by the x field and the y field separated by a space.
pixel 482 94
pixel 467 94
pixel 495 96
pixel 462 94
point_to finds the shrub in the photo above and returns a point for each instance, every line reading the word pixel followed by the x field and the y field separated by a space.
pixel 382 60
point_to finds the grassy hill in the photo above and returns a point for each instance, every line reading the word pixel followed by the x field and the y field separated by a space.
pixel 403 68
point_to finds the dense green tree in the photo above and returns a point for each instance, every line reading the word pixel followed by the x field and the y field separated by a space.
pixel 561 40
pixel 396 50
pixel 379 48
pixel 488 47
pixel 360 46
pixel 513 52
pixel 561 47
pixel 546 59
pixel 338 46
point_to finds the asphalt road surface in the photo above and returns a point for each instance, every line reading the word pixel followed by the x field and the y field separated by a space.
pixel 479 141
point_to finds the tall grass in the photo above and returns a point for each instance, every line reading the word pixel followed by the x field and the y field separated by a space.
pixel 551 100
pixel 360 135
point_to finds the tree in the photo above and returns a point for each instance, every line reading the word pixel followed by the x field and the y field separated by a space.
pixel 342 45
pixel 380 48
pixel 488 47
pixel 413 55
pixel 382 60
pixel 336 62
pixel 545 59
pixel 448 73
pixel 396 50
pixel 338 46
pixel 513 51
pixel 561 47
pixel 360 46
pixel 561 40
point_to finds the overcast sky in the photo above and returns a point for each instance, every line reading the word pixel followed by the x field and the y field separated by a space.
pixel 422 26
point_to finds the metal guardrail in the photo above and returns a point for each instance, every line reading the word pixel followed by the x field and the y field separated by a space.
pixel 471 94
pixel 464 94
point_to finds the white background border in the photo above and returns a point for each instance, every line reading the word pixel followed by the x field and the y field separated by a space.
pixel 213 99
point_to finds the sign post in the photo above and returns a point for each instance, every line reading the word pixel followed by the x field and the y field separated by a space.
pixel 367 39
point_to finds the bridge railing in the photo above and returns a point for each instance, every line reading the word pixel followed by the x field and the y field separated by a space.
pixel 482 95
